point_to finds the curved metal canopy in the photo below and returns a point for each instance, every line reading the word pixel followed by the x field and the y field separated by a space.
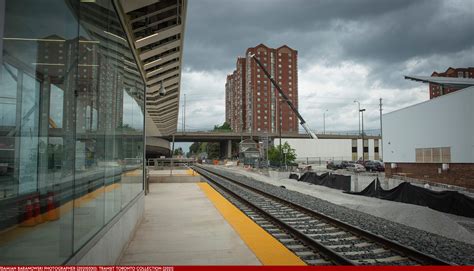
pixel 156 30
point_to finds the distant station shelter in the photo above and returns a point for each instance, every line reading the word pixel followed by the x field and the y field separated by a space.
pixel 249 154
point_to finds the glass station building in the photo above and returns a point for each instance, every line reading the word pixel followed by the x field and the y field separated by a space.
pixel 72 128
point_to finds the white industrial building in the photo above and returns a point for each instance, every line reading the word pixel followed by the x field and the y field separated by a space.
pixel 333 148
pixel 433 140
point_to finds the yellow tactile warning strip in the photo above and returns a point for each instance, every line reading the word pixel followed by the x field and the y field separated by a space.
pixel 191 172
pixel 267 249
pixel 134 173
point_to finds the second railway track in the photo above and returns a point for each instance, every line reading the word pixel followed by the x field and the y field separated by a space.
pixel 316 238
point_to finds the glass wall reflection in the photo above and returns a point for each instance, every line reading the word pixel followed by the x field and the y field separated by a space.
pixel 71 127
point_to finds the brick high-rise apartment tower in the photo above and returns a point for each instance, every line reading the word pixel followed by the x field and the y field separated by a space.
pixel 252 102
pixel 437 90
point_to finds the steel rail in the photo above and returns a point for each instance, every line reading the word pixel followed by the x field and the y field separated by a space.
pixel 394 246
pixel 329 253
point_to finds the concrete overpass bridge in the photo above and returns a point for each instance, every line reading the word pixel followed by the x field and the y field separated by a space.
pixel 226 138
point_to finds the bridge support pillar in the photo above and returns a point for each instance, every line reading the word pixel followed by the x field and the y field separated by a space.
pixel 226 149
pixel 229 149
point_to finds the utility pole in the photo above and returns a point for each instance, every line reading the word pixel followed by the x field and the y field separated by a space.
pixel 184 114
pixel 381 133
pixel 279 128
pixel 324 121
pixel 241 125
pixel 356 101
pixel 172 153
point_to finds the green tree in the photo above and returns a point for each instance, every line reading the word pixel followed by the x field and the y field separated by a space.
pixel 224 127
pixel 178 151
pixel 212 150
pixel 194 148
pixel 276 154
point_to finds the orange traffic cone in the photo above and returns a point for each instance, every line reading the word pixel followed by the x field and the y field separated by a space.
pixel 52 213
pixel 37 211
pixel 29 220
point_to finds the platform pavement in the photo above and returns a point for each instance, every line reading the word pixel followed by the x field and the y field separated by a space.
pixel 182 227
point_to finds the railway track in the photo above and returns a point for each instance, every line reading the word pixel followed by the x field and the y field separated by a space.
pixel 315 237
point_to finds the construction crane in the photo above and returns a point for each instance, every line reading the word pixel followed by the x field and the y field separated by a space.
pixel 288 101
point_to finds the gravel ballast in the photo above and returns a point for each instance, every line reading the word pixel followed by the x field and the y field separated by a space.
pixel 444 248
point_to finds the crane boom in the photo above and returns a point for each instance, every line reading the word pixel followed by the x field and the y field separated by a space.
pixel 287 100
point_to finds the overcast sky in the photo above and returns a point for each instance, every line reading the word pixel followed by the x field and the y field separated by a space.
pixel 347 49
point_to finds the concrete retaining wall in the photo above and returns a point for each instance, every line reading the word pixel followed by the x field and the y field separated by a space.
pixel 174 179
pixel 106 247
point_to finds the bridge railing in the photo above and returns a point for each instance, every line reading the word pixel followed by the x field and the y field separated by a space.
pixel 370 132
pixel 203 131
pixel 164 163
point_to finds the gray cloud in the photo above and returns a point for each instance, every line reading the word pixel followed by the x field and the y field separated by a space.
pixel 365 30
pixel 347 50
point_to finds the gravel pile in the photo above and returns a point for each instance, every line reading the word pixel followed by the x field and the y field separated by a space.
pixel 444 248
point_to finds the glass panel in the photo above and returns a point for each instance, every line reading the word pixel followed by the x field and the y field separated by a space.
pixel 108 153
pixel 71 127
pixel 36 82
pixel 90 160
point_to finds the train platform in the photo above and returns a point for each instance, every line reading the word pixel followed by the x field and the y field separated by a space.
pixel 190 223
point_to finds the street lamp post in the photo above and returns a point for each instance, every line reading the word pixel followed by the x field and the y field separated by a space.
pixel 362 111
pixel 324 121
pixel 356 101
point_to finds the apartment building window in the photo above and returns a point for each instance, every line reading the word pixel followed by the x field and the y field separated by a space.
pixel 279 65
